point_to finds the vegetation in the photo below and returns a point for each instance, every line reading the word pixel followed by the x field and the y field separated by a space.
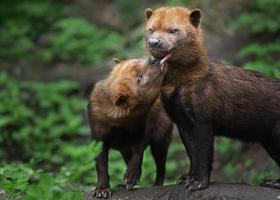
pixel 44 30
pixel 44 121
pixel 261 22
pixel 41 125
pixel 46 151
pixel 75 39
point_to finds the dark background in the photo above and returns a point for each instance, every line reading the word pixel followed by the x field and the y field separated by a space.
pixel 52 53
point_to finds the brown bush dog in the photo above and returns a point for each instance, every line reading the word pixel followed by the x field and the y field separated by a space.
pixel 126 114
pixel 205 98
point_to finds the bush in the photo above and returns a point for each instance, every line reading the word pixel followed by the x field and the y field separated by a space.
pixel 47 188
pixel 15 36
pixel 44 31
pixel 175 166
pixel 262 24
pixel 44 122
pixel 75 39
pixel 36 117
pixel 14 179
pixel 21 181
pixel 226 148
pixel 42 126
pixel 24 22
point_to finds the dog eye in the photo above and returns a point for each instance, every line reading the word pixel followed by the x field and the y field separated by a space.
pixel 173 31
pixel 138 78
pixel 150 30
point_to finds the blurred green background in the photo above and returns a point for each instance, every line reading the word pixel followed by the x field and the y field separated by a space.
pixel 52 53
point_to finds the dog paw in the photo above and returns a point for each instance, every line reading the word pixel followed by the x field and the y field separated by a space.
pixel 102 193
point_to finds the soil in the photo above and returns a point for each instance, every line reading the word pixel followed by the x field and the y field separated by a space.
pixel 216 191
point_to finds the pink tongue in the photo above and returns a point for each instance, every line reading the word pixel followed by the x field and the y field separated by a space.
pixel 163 61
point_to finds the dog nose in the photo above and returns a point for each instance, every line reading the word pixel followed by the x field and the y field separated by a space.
pixel 153 60
pixel 154 43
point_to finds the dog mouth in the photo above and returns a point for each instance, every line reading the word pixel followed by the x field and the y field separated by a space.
pixel 160 62
pixel 162 55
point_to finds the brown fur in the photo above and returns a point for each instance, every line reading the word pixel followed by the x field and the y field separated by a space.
pixel 206 99
pixel 127 115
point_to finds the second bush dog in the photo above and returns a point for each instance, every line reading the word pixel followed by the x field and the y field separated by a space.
pixel 126 114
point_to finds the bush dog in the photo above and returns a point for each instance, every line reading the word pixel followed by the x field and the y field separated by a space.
pixel 205 98
pixel 126 114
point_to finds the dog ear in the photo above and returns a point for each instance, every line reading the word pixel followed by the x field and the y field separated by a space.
pixel 148 13
pixel 195 17
pixel 116 60
pixel 120 100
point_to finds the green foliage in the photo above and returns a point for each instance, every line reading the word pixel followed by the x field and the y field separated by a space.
pixel 47 188
pixel 14 179
pixel 44 122
pixel 177 3
pixel 36 10
pixel 15 36
pixel 75 39
pixel 22 181
pixel 175 166
pixel 177 162
pixel 130 9
pixel 263 17
pixel 263 54
pixel 226 148
pixel 24 22
pixel 230 170
pixel 256 177
pixel 262 23
pixel 43 31
pixel 39 114
pixel 80 165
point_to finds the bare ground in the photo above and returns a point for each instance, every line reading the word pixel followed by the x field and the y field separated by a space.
pixel 216 191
